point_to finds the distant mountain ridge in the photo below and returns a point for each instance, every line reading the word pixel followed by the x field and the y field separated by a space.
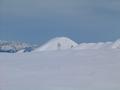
pixel 58 43
pixel 13 47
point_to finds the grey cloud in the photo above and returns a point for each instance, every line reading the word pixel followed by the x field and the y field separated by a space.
pixel 82 8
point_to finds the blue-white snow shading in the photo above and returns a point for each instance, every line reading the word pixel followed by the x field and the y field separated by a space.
pixel 59 43
pixel 85 69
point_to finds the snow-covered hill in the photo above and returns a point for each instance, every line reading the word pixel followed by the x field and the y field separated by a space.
pixel 60 43
pixel 64 43
pixel 65 65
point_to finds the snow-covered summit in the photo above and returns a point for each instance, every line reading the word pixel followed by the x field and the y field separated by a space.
pixel 59 43
pixel 116 44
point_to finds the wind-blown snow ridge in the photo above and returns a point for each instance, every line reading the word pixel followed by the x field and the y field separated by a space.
pixel 59 43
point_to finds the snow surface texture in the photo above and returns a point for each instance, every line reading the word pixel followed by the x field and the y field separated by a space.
pixel 60 43
pixel 64 43
pixel 64 65
pixel 61 70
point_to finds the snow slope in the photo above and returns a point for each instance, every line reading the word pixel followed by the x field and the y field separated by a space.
pixel 64 43
pixel 87 69
pixel 100 45
pixel 116 44
pixel 60 43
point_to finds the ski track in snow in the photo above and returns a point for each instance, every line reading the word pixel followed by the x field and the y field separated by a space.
pixel 96 69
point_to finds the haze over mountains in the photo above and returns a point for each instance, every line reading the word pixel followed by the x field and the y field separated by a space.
pixel 59 43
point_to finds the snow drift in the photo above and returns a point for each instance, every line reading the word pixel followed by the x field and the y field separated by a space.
pixel 100 45
pixel 60 43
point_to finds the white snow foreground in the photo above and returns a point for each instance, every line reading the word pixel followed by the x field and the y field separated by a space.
pixel 95 69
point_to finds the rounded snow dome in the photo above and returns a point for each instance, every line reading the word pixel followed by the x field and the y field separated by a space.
pixel 59 43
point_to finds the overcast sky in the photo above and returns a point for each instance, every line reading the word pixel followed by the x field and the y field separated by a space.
pixel 37 21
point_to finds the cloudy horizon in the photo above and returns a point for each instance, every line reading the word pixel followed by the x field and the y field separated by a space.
pixel 37 21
